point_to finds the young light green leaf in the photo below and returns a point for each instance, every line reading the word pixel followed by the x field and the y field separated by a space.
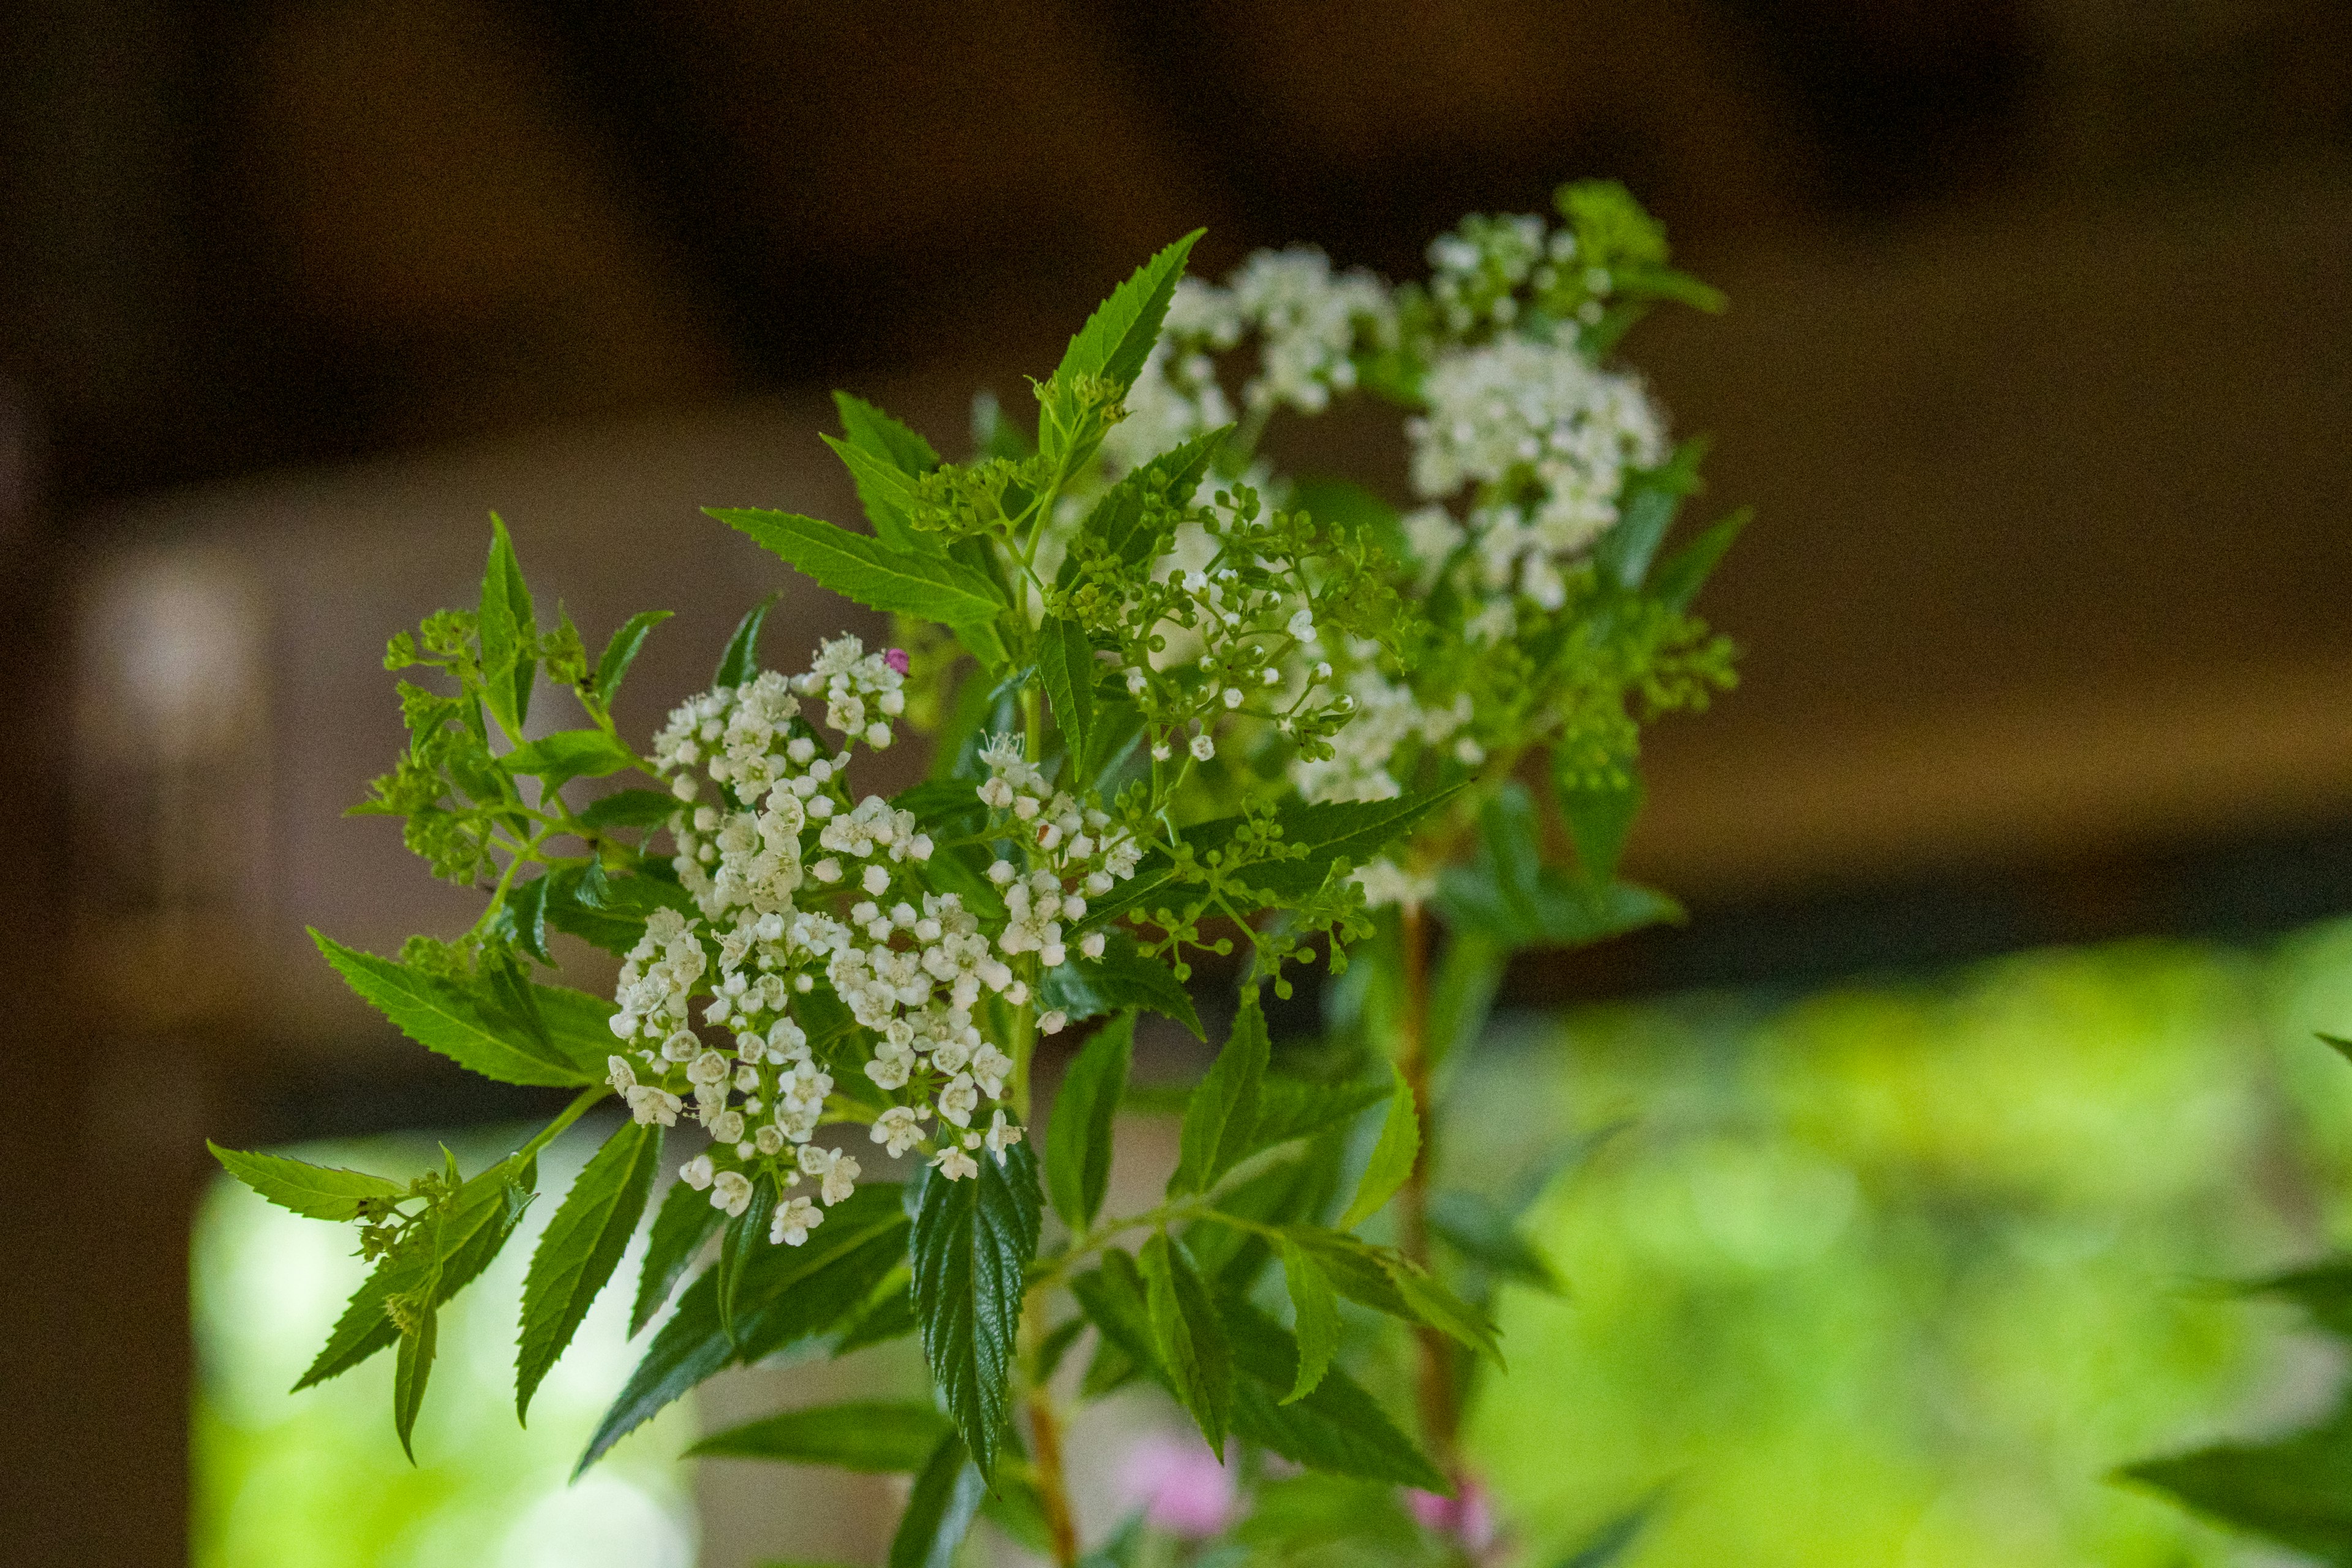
pixel 870 572
pixel 1316 1318
pixel 441 1017
pixel 939 1509
pixel 629 808
pixel 1085 988
pixel 321 1192
pixel 1120 335
pixel 887 492
pixel 686 1221
pixel 1066 663
pixel 741 661
pixel 1600 813
pixel 508 633
pixel 1079 1136
pixel 412 1366
pixel 1188 1337
pixel 580 1248
pixel 470 1235
pixel 790 1296
pixel 1223 1114
pixel 522 920
pixel 1392 1160
pixel 878 1436
pixel 745 1233
pixel 1686 571
pixel 622 651
pixel 870 429
pixel 972 1244
pixel 569 754
pixel 1474 1226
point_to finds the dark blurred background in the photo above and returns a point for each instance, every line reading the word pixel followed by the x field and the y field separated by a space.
pixel 2039 372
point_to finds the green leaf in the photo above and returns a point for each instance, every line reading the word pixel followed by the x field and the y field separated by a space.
pixel 1298 1107
pixel 1066 663
pixel 870 572
pixel 1599 814
pixel 790 1296
pixel 469 1236
pixel 1122 977
pixel 1463 994
pixel 2296 1490
pixel 2343 1047
pixel 971 1247
pixel 889 1315
pixel 508 633
pixel 1291 1191
pixel 1345 504
pixel 1316 1318
pixel 411 1368
pixel 1686 571
pixel 1614 1539
pixel 878 1436
pixel 441 1017
pixel 569 754
pixel 1187 1336
pixel 939 1509
pixel 522 921
pixel 1510 896
pixel 745 1233
pixel 1337 1427
pixel 1118 520
pixel 1393 1158
pixel 1474 1226
pixel 1223 1114
pixel 630 808
pixel 1118 336
pixel 1440 1309
pixel 622 651
pixel 683 1223
pixel 1387 1282
pixel 607 911
pixel 740 660
pixel 1645 510
pixel 883 457
pixel 321 1192
pixel 1079 1136
pixel 580 1248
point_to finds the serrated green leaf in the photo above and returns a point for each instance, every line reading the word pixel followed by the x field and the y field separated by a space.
pixel 878 1436
pixel 1337 1428
pixel 883 457
pixel 1122 977
pixel 1297 1108
pixel 939 1509
pixel 411 1369
pixel 1600 815
pixel 1393 1158
pixel 509 634
pixel 1387 1282
pixel 739 661
pixel 1316 1313
pixel 971 1249
pixel 1440 1308
pixel 790 1296
pixel 569 754
pixel 888 1315
pixel 1508 895
pixel 608 910
pixel 1118 520
pixel 1462 994
pixel 1223 1114
pixel 468 1237
pixel 580 1248
pixel 1686 571
pixel 682 1226
pixel 458 1024
pixel 1112 1297
pixel 319 1192
pixel 629 808
pixel 1118 336
pixel 1645 510
pixel 2296 1490
pixel 1079 1136
pixel 522 921
pixel 1474 1226
pixel 621 651
pixel 1188 1337
pixel 745 1233
pixel 1296 1190
pixel 870 572
pixel 1065 664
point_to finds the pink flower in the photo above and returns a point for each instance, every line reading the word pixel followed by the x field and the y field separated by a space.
pixel 1180 1484
pixel 897 659
pixel 1468 1515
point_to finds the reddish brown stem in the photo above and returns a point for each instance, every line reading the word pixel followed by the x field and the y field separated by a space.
pixel 1440 1419
pixel 1046 1438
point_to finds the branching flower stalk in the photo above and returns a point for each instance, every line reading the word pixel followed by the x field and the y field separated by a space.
pixel 1183 708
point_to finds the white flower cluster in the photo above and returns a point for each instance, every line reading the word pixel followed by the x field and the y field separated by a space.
pixel 1543 423
pixel 1387 714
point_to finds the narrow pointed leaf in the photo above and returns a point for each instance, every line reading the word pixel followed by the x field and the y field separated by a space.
pixel 682 1226
pixel 1315 1318
pixel 1338 1427
pixel 622 650
pixel 508 633
pixel 1600 813
pixel 321 1192
pixel 1066 663
pixel 1686 571
pixel 1118 521
pixel 1392 1160
pixel 1120 335
pixel 740 660
pixel 886 492
pixel 1122 977
pixel 1078 1137
pixel 461 1023
pixel 1472 1224
pixel 1223 1113
pixel 939 1509
pixel 971 1247
pixel 1188 1336
pixel 580 1248
pixel 870 572
pixel 745 1232
pixel 1646 511
pixel 1462 995
pixel 873 1436
pixel 411 1369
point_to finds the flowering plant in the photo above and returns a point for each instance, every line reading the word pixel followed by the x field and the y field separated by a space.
pixel 1179 705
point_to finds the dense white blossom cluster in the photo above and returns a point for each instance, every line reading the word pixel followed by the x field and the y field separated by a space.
pixel 1387 715
pixel 797 889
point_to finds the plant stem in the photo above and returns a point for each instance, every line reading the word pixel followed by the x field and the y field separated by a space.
pixel 1045 1439
pixel 1435 1386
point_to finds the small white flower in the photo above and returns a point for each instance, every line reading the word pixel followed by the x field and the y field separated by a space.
pixel 955 1164
pixel 958 1100
pixel 1002 1135
pixel 1053 1022
pixel 1091 945
pixel 649 1104
pixel 900 1128
pixel 795 1218
pixel 623 1077
pixel 697 1173
pixel 1202 747
pixel 877 880
pixel 731 1191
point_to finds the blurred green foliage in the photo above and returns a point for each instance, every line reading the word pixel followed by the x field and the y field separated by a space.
pixel 319 1481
